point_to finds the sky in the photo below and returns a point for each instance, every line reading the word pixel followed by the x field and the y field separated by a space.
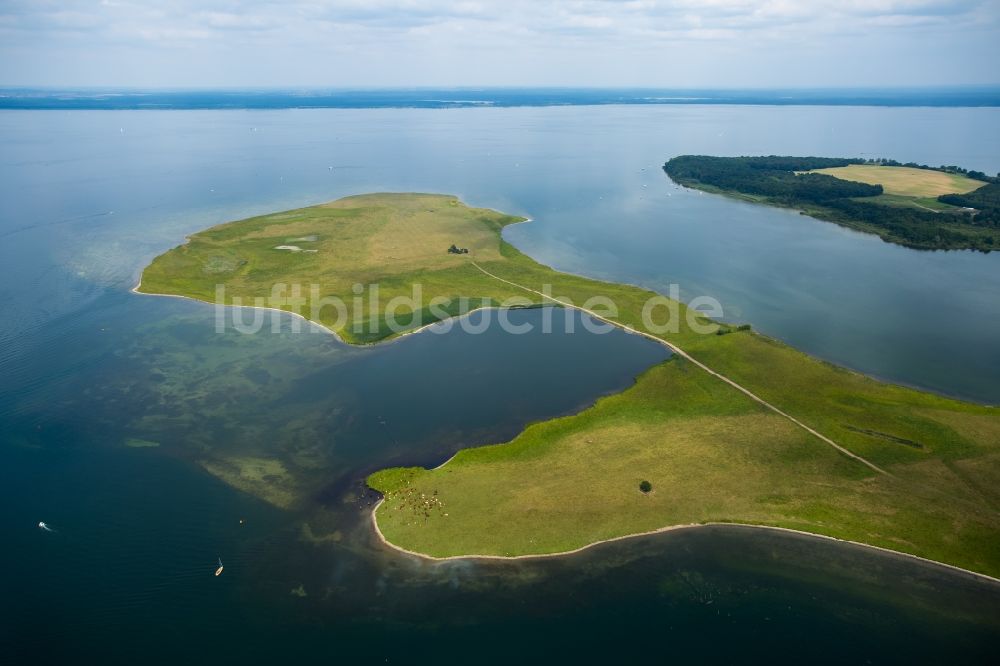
pixel 416 43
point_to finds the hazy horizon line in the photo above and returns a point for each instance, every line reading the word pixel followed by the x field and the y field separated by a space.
pixel 350 88
pixel 204 98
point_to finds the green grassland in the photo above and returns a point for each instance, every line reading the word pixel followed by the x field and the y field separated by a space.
pixel 711 453
pixel 922 203
pixel 905 181
pixel 393 241
pixel 711 457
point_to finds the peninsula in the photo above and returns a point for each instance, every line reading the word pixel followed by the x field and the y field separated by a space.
pixel 734 428
pixel 948 208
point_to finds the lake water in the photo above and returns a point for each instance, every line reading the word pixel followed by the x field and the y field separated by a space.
pixel 87 198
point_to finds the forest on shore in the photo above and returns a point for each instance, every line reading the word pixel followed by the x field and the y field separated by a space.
pixel 959 221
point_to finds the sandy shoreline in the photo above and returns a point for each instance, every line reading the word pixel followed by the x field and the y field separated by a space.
pixel 671 528
pixel 394 338
pixel 384 341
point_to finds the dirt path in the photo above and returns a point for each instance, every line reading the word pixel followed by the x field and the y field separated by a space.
pixel 683 354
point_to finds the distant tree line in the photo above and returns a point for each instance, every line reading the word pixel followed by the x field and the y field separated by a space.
pixel 773 177
pixel 779 180
pixel 726 330
pixel 975 175
pixel 918 228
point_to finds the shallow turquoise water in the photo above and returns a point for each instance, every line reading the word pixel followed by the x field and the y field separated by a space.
pixel 85 366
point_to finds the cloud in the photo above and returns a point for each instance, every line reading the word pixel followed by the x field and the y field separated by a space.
pixel 434 42
pixel 620 17
pixel 231 21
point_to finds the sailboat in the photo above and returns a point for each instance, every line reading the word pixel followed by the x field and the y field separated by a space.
pixel 218 572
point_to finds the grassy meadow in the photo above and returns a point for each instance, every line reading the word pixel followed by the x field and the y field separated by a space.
pixel 390 240
pixel 711 457
pixel 711 453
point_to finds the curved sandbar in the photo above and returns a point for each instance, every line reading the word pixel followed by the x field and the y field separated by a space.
pixel 736 430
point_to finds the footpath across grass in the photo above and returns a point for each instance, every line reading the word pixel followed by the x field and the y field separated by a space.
pixel 711 453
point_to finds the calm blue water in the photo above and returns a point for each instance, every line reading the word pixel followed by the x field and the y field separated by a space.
pixel 87 198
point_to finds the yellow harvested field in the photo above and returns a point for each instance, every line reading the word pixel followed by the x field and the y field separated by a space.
pixel 905 181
